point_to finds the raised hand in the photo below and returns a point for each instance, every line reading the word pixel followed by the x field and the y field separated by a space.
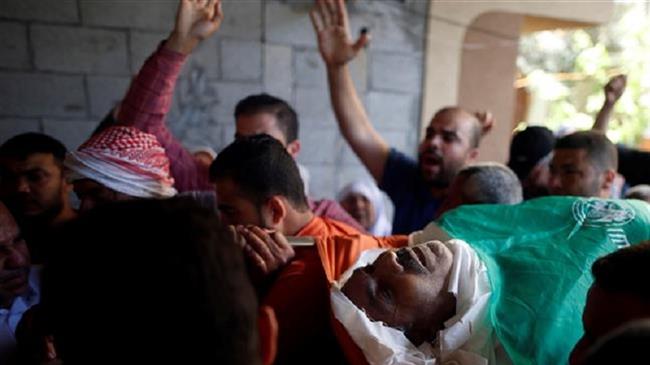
pixel 613 91
pixel 487 120
pixel 195 21
pixel 330 21
pixel 615 88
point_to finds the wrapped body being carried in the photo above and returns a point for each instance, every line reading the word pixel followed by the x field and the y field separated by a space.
pixel 519 277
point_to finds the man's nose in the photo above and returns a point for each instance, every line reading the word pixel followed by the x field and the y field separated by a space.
pixel 390 265
pixel 554 181
pixel 22 186
pixel 435 141
pixel 16 259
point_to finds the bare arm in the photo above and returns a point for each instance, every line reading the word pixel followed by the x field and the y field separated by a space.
pixel 330 21
pixel 613 91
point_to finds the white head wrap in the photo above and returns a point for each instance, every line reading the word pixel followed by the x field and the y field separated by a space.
pixel 126 160
pixel 467 339
pixel 381 226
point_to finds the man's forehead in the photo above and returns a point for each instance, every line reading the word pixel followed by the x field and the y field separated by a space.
pixel 452 122
pixel 569 155
pixel 228 191
pixel 32 161
pixel 258 123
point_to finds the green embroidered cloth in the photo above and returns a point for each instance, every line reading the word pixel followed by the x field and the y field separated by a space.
pixel 539 256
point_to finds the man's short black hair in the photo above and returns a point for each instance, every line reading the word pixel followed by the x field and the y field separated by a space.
pixel 625 271
pixel 23 145
pixel 261 167
pixel 528 148
pixel 265 103
pixel 157 281
pixel 600 150
pixel 627 344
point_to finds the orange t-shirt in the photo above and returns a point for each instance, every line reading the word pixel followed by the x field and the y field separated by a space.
pixel 300 293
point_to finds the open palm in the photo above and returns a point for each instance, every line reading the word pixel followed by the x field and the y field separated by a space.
pixel 198 18
pixel 330 21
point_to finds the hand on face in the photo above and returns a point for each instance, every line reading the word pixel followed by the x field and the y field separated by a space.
pixel 268 251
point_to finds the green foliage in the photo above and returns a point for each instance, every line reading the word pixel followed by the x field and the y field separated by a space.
pixel 587 58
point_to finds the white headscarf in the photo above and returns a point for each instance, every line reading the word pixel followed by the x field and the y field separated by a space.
pixel 126 160
pixel 381 226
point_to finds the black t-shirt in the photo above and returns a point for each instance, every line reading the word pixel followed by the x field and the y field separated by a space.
pixel 634 165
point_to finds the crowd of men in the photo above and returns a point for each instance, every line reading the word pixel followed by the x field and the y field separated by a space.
pixel 190 258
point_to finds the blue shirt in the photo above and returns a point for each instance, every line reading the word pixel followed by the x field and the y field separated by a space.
pixel 414 205
pixel 10 317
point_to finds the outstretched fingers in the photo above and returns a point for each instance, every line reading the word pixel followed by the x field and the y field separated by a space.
pixel 332 11
pixel 341 14
pixel 324 13
pixel 316 20
pixel 217 15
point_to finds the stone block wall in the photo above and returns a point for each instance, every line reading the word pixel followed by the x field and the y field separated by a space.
pixel 64 63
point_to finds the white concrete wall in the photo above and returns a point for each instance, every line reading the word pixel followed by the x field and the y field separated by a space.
pixel 63 63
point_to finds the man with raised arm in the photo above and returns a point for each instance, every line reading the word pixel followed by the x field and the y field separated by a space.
pixel 629 159
pixel 150 95
pixel 149 98
pixel 138 157
pixel 417 188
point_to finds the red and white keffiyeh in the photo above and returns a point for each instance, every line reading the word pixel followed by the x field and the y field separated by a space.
pixel 126 160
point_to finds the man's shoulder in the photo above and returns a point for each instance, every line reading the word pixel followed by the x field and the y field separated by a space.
pixel 398 159
pixel 328 227
pixel 401 172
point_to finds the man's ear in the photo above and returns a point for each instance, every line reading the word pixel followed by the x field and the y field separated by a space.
pixel 609 177
pixel 277 207
pixel 65 182
pixel 267 326
pixel 473 155
pixel 294 148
